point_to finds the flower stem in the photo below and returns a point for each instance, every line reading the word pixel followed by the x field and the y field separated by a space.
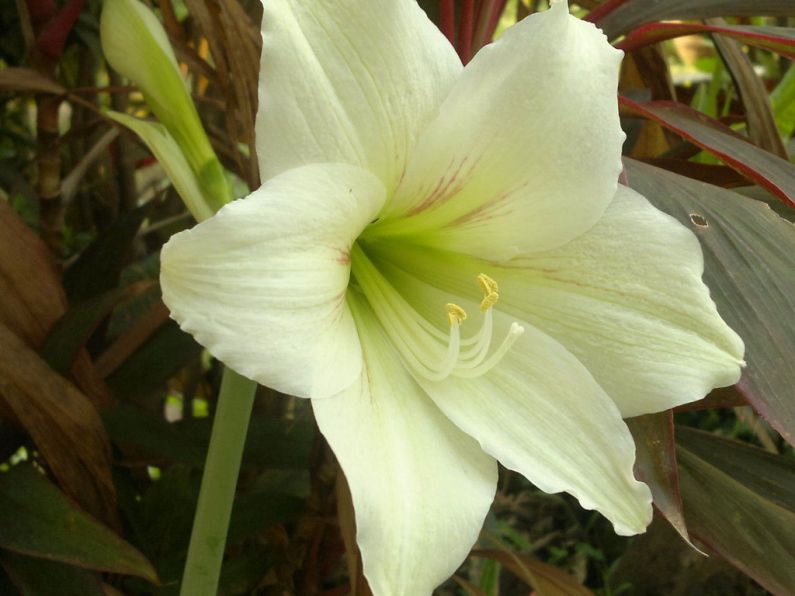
pixel 210 526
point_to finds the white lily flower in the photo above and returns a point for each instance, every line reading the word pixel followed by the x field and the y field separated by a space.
pixel 401 188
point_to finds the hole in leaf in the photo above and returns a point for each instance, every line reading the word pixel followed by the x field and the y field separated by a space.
pixel 699 220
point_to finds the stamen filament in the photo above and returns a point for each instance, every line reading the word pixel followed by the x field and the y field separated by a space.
pixel 483 340
pixel 375 287
pixel 514 333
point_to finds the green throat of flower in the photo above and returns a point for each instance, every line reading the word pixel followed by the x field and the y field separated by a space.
pixel 425 349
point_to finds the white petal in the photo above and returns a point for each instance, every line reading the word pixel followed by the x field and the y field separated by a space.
pixel 627 299
pixel 525 153
pixel 349 81
pixel 421 488
pixel 262 283
pixel 540 412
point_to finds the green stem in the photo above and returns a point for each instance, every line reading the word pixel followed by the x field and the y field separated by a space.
pixel 210 526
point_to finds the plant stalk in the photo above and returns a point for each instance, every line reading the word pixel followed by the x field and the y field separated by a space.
pixel 214 509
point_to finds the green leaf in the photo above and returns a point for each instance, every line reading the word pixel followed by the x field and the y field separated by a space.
pixel 97 269
pixel 783 100
pixel 36 519
pixel 270 443
pixel 74 328
pixel 748 267
pixel 256 512
pixel 761 125
pixel 137 46
pixel 165 515
pixel 150 433
pixel 170 156
pixel 167 351
pixel 739 501
pixel 40 577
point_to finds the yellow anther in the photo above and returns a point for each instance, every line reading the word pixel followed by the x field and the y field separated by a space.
pixel 488 285
pixel 491 291
pixel 489 301
pixel 455 314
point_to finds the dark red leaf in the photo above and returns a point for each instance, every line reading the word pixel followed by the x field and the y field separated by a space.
pixel 618 17
pixel 769 171
pixel 52 39
pixel 655 464
pixel 739 502
pixel 780 40
pixel 748 252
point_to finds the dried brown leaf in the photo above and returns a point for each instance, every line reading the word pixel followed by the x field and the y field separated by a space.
pixel 655 464
pixel 127 343
pixel 234 42
pixel 547 580
pixel 32 298
pixel 26 79
pixel 63 424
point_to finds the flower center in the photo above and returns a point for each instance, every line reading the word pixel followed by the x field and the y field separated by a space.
pixel 425 349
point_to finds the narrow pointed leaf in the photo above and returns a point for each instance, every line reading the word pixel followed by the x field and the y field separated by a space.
pixel 617 17
pixel 769 171
pixel 71 332
pixel 655 465
pixel 63 424
pixel 270 442
pixel 16 78
pixel 40 577
pixel 780 40
pixel 99 266
pixel 748 267
pixel 166 351
pixel 762 129
pixel 547 580
pixel 38 520
pixel 171 157
pixel 740 501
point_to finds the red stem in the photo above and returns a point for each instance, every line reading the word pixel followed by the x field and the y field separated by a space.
pixel 488 19
pixel 466 30
pixel 499 8
pixel 481 37
pixel 447 19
